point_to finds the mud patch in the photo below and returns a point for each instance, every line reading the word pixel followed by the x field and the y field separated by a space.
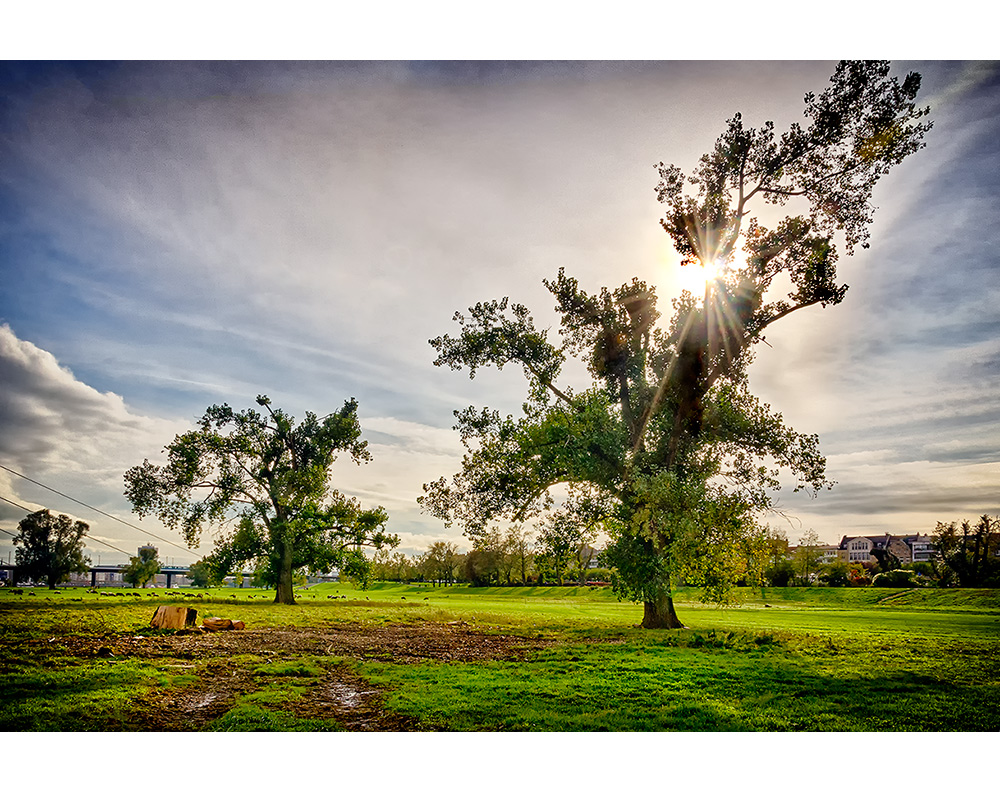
pixel 338 695
pixel 193 707
pixel 396 643
pixel 352 703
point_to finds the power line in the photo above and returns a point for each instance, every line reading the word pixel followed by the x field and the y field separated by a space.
pixel 94 508
pixel 87 539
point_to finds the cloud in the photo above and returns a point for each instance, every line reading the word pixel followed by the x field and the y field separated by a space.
pixel 67 435
pixel 414 437
pixel 53 421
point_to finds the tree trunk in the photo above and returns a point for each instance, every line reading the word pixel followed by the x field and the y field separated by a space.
pixel 660 615
pixel 283 593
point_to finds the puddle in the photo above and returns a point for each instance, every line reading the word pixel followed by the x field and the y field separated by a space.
pixel 204 701
pixel 347 697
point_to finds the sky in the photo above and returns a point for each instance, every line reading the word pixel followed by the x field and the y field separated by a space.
pixel 180 234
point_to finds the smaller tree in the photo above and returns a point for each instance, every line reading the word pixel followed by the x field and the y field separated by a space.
pixel 142 568
pixel 520 548
pixel 560 541
pixel 268 476
pixel 50 547
pixel 439 562
pixel 808 555
pixel 781 573
pixel 203 574
pixel 969 554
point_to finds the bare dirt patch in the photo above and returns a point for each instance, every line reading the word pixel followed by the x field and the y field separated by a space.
pixel 339 695
pixel 397 643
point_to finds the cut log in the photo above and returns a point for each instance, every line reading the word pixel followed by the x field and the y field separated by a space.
pixel 172 617
pixel 215 623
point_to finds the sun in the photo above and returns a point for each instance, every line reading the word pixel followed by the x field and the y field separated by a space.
pixel 694 277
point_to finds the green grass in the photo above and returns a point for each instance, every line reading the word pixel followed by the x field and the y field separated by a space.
pixel 246 717
pixel 72 696
pixel 794 659
pixel 293 669
pixel 699 681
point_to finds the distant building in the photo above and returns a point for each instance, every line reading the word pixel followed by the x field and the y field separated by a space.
pixel 859 548
pixel 910 548
pixel 921 547
pixel 831 553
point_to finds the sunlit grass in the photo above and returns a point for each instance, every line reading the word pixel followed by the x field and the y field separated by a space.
pixel 659 686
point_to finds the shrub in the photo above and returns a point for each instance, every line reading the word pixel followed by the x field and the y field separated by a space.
pixel 896 578
pixel 836 573
pixel 601 575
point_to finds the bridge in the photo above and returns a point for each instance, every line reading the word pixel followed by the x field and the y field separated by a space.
pixel 170 571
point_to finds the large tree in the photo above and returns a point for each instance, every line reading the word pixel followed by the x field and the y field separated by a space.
pixel 270 477
pixel 50 547
pixel 668 448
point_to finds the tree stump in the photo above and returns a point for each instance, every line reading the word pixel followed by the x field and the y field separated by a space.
pixel 171 617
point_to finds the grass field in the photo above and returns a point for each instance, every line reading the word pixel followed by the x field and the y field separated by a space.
pixel 524 659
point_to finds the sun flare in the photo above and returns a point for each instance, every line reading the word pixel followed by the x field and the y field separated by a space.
pixel 694 277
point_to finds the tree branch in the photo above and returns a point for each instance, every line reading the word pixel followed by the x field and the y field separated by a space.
pixel 548 384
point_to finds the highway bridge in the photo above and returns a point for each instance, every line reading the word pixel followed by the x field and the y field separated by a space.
pixel 107 569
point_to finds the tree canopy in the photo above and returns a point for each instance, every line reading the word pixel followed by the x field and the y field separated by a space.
pixel 50 547
pixel 667 449
pixel 263 482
